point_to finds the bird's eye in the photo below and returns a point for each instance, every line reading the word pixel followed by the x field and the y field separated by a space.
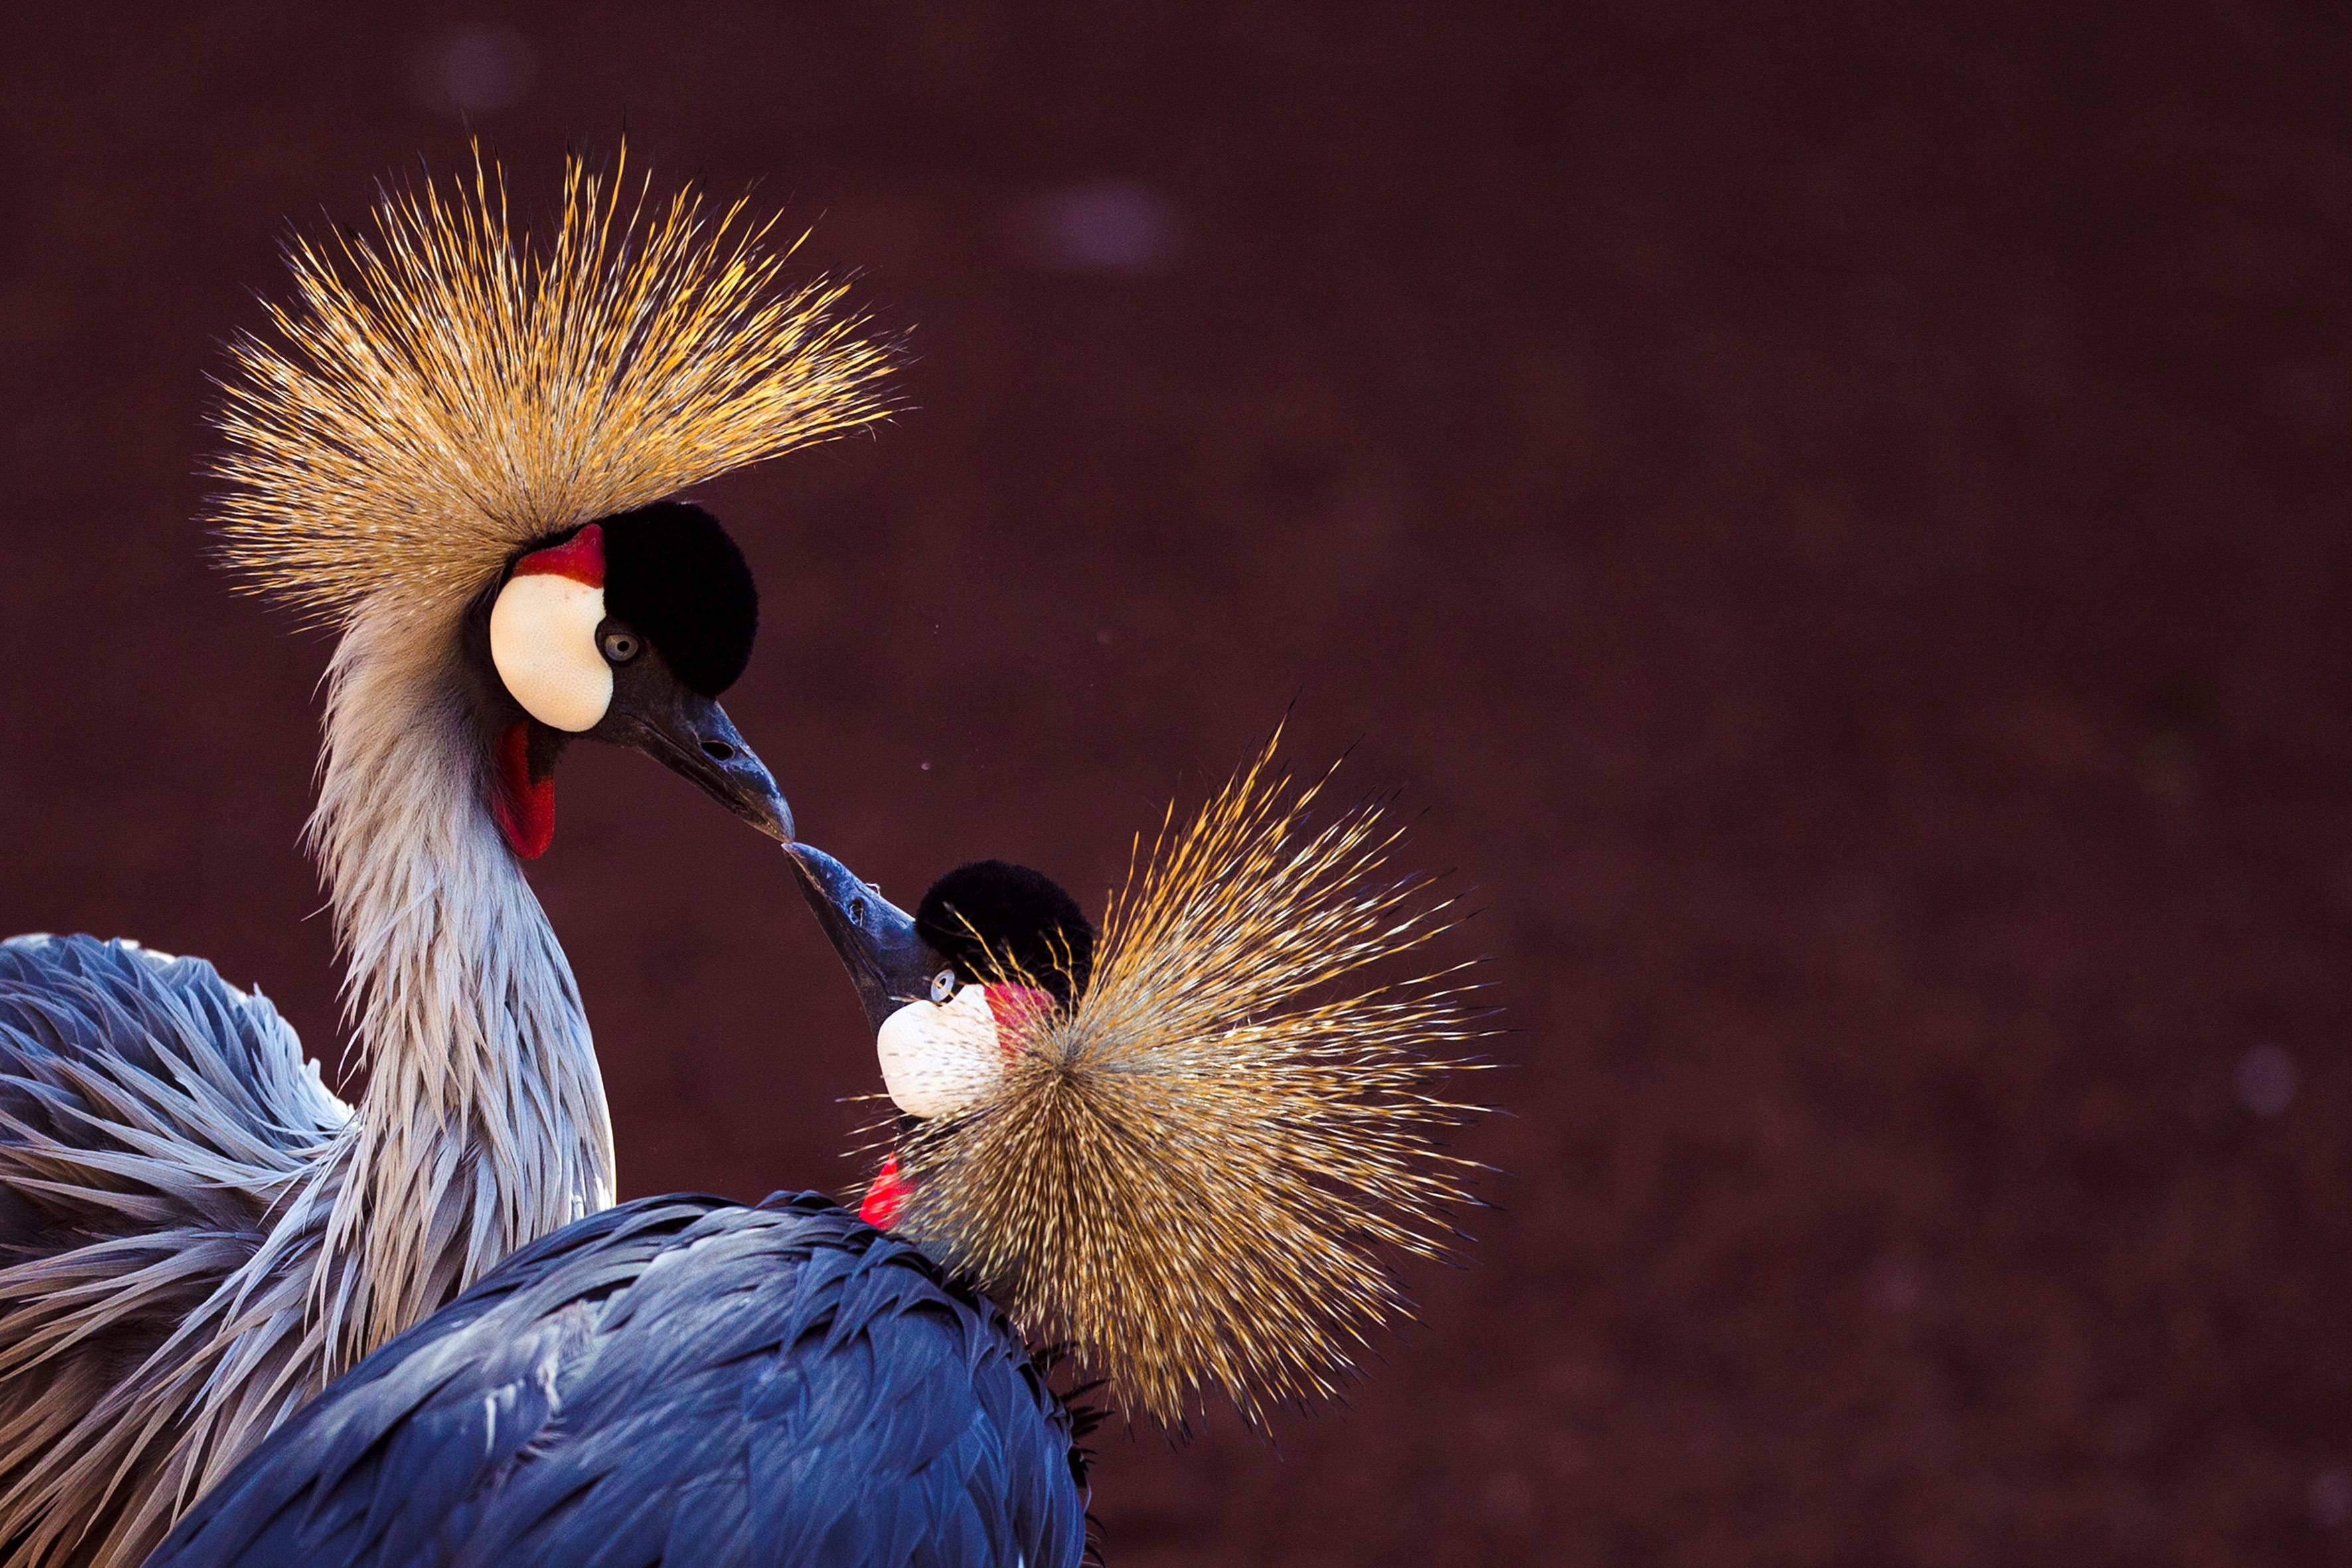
pixel 620 645
pixel 943 985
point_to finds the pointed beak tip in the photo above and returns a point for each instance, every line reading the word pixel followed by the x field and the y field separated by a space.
pixel 820 874
pixel 744 788
pixel 695 739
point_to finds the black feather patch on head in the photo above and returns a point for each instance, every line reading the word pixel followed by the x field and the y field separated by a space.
pixel 671 571
pixel 994 921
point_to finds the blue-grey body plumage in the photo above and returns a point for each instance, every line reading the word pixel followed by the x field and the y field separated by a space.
pixel 678 1381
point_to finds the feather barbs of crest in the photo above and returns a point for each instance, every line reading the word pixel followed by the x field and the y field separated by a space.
pixel 442 390
pixel 1193 1177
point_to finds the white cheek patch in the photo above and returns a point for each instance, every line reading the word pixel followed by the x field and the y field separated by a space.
pixel 940 1058
pixel 543 641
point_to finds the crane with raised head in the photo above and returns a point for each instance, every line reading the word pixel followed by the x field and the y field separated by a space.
pixel 462 451
pixel 1179 1153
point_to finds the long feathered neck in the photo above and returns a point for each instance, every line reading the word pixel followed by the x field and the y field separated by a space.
pixel 484 1124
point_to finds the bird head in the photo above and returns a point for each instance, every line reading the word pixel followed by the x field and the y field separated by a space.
pixel 471 445
pixel 1186 1148
pixel 623 630
pixel 993 951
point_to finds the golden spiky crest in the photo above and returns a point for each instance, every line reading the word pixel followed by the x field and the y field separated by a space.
pixel 1195 1178
pixel 444 389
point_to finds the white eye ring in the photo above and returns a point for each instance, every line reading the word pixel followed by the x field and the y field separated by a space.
pixel 943 985
pixel 543 642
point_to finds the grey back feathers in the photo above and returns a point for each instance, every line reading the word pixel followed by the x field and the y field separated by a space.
pixel 680 1382
pixel 201 1235
pixel 155 1121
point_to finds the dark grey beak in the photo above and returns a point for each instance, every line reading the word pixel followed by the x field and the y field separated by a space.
pixel 889 963
pixel 692 736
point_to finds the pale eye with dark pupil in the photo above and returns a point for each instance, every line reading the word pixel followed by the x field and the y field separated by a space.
pixel 621 646
pixel 943 985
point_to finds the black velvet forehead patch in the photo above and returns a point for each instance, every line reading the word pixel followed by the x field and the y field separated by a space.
pixel 989 916
pixel 671 571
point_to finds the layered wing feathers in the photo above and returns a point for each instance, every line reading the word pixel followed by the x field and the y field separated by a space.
pixel 153 1118
pixel 138 1091
pixel 678 1381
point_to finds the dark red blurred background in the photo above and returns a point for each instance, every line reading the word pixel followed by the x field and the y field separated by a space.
pixel 1838 515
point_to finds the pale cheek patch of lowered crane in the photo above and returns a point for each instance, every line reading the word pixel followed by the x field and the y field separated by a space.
pixel 939 1058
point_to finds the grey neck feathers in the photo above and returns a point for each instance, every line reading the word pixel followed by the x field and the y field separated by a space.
pixel 484 1124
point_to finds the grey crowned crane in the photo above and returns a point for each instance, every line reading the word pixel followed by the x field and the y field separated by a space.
pixel 1180 1155
pixel 460 451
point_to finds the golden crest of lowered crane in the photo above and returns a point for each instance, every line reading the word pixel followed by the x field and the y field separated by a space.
pixel 1191 1175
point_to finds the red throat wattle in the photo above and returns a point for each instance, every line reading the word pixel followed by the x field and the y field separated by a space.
pixel 886 1195
pixel 525 807
pixel 1015 1009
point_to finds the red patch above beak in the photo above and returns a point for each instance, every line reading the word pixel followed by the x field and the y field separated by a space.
pixel 886 1195
pixel 525 808
pixel 579 558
